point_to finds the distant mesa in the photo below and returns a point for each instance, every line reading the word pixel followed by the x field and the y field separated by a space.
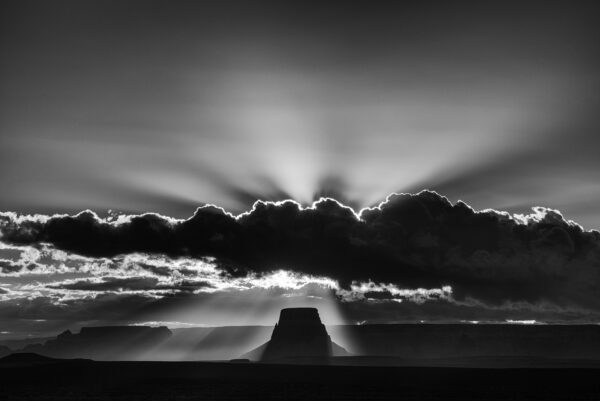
pixel 298 335
pixel 4 350
pixel 26 357
pixel 104 343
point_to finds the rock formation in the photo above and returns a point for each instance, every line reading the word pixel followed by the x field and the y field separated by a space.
pixel 104 343
pixel 425 341
pixel 299 334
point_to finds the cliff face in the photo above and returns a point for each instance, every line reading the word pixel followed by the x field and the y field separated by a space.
pixel 104 343
pixel 298 334
pixel 211 343
pixel 474 340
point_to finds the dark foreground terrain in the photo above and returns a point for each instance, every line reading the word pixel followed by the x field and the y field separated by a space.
pixel 27 378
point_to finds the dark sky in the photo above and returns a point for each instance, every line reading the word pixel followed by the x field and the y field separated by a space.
pixel 163 106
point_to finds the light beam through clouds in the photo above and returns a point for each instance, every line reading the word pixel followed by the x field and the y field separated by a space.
pixel 494 104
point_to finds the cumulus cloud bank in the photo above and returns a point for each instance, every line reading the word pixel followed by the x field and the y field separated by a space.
pixel 421 242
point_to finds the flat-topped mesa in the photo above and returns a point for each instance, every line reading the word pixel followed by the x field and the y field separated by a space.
pixel 299 316
pixel 299 333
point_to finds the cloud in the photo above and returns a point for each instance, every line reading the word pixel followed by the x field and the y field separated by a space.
pixel 109 284
pixel 389 292
pixel 130 284
pixel 420 241
pixel 8 266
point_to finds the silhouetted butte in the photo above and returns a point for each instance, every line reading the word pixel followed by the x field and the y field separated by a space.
pixel 298 334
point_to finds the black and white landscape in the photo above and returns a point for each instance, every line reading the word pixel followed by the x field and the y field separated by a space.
pixel 299 200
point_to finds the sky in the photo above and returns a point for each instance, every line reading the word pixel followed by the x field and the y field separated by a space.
pixel 126 108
